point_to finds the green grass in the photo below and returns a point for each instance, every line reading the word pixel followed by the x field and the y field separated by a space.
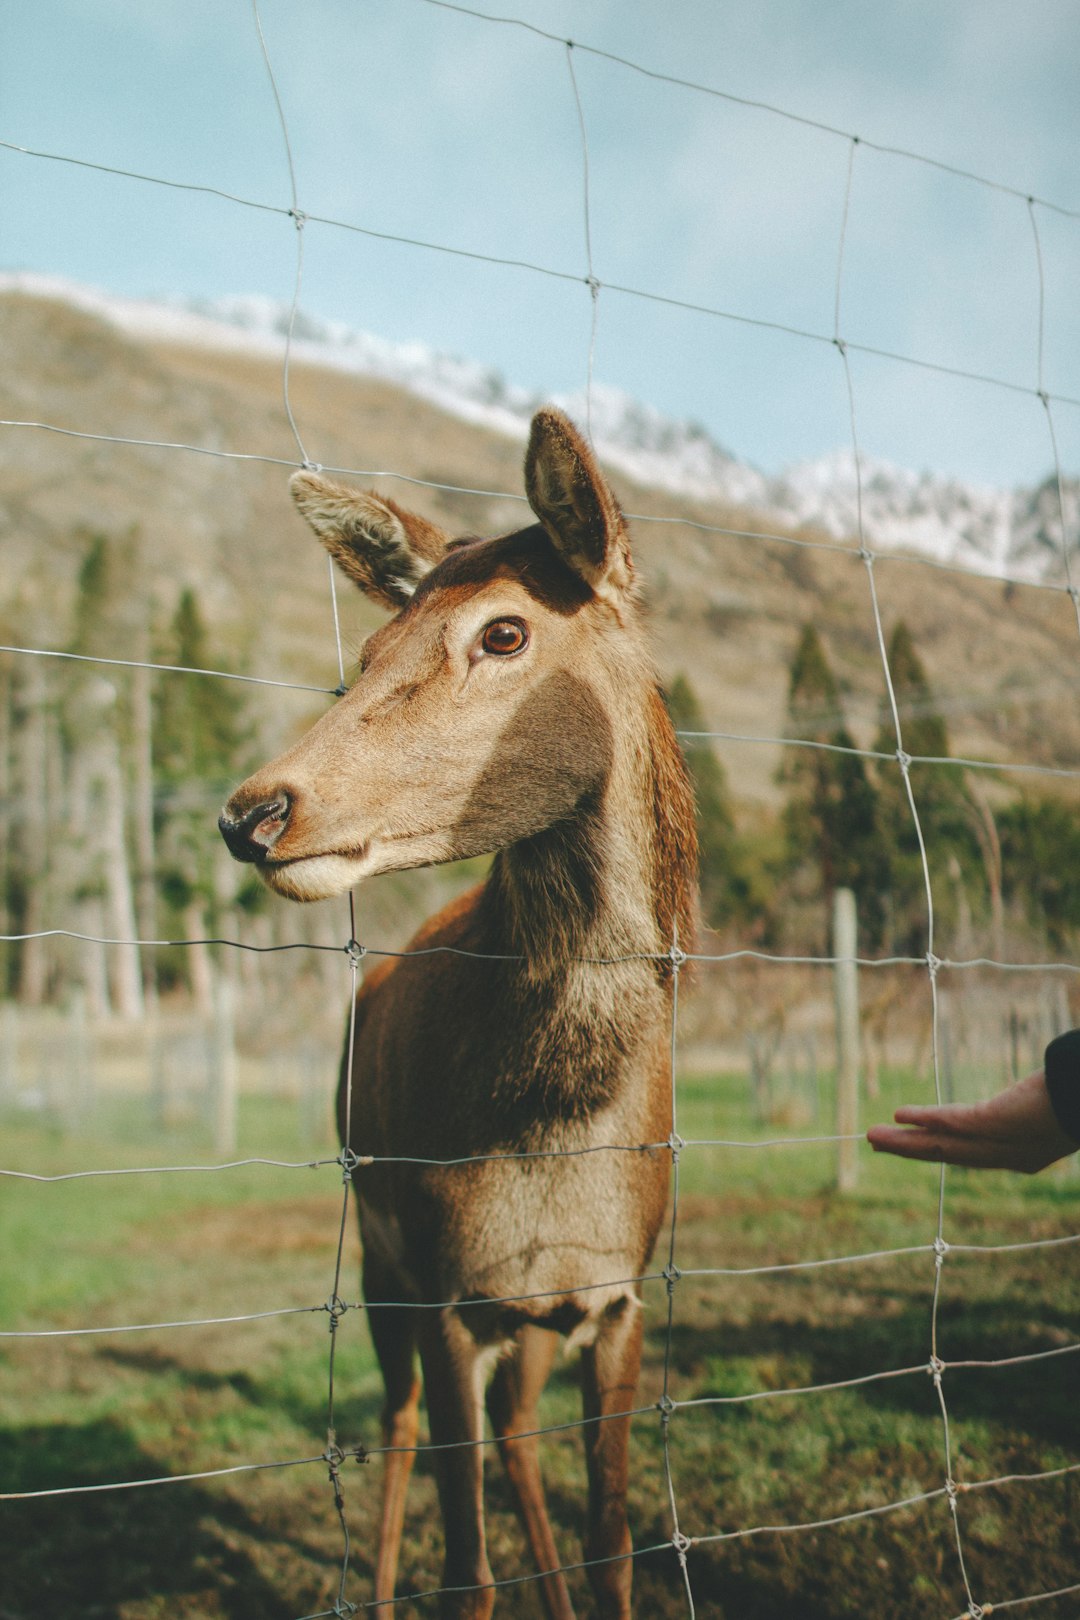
pixel 96 1410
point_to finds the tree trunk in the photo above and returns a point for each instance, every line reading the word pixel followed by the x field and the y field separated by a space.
pixel 989 843
pixel 200 968
pixel 143 820
pixel 7 813
pixel 125 975
pixel 32 829
pixel 93 967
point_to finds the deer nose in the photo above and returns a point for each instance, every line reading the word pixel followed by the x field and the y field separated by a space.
pixel 252 834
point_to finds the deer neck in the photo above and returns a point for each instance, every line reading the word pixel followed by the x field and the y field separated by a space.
pixel 612 881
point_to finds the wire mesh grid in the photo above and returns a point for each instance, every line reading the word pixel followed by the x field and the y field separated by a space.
pixel 672 1277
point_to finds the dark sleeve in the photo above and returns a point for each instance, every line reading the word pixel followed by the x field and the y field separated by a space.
pixel 1063 1081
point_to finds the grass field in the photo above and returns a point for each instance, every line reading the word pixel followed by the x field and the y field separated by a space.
pixel 267 1545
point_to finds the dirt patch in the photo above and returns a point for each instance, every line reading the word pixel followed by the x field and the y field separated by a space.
pixel 260 1231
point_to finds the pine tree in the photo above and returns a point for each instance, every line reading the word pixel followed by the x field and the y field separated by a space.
pixel 831 818
pixel 199 724
pixel 1040 839
pixel 738 870
pixel 715 819
pixel 200 731
pixel 950 821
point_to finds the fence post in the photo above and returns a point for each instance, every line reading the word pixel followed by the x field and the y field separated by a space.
pixel 846 989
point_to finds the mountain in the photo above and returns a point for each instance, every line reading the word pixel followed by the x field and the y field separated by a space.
pixel 997 532
pixel 728 593
pixel 1008 533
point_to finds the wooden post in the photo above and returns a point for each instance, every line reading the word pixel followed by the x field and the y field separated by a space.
pixel 846 986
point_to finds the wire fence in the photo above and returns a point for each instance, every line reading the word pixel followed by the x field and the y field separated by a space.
pixel 939 1252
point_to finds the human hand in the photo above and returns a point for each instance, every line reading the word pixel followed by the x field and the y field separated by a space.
pixel 1015 1130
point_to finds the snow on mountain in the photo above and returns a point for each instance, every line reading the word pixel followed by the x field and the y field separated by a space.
pixel 652 448
pixel 1036 541
pixel 1016 533
pixel 938 517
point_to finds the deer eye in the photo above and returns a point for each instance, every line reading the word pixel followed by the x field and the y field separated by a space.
pixel 505 637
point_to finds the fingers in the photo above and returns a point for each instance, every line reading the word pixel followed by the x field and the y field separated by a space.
pixel 905 1144
pixel 939 1116
pixel 936 1147
pixel 946 1146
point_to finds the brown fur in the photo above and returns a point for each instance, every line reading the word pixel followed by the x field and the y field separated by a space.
pixel 532 1016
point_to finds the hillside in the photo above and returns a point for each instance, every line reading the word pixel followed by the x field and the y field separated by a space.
pixel 726 607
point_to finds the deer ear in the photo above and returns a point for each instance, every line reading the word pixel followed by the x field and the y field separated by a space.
pixel 381 547
pixel 569 495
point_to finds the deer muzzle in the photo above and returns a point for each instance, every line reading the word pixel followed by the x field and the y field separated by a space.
pixel 251 835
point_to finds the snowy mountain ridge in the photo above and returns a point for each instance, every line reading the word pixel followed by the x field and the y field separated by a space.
pixel 1012 533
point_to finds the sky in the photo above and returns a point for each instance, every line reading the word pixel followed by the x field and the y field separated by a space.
pixel 413 119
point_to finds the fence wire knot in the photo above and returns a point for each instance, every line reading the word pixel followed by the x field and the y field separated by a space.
pixel 933 963
pixel 594 287
pixel 311 466
pixel 671 1275
pixel 350 1161
pixel 355 952
pixel 298 217
pixel 335 1308
pixel 681 1544
pixel 333 1457
pixel 676 1143
pixel 665 1406
pixel 903 759
pixel 360 1453
pixel 941 1249
pixel 677 958
pixel 935 1368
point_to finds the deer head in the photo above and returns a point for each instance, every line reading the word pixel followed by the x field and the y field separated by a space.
pixel 484 710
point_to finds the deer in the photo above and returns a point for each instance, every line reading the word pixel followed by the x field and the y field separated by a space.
pixel 510 1089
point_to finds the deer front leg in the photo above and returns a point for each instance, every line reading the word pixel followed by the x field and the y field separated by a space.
pixel 513 1399
pixel 453 1385
pixel 609 1376
pixel 393 1334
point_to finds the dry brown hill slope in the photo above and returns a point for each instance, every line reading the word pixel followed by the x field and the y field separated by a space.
pixel 727 606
